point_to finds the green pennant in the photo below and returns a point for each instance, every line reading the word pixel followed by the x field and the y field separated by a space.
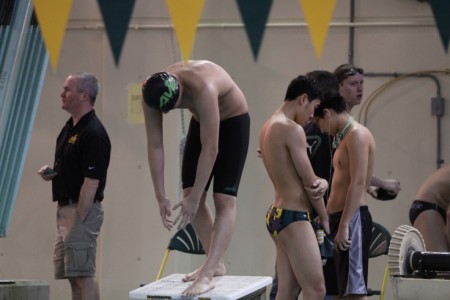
pixel 255 13
pixel 441 11
pixel 116 16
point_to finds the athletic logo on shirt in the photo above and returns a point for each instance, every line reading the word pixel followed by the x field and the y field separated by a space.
pixel 73 139
pixel 314 142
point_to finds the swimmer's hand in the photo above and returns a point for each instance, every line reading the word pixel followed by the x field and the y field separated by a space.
pixel 342 240
pixel 165 213
pixel 317 190
pixel 372 190
pixel 324 224
pixel 392 186
pixel 189 207
pixel 388 189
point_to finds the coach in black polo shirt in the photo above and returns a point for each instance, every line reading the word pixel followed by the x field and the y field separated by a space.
pixel 78 180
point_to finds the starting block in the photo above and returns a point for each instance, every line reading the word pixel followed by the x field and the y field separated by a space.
pixel 226 288
pixel 406 288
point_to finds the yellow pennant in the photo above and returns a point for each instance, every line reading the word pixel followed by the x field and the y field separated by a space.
pixel 185 15
pixel 318 14
pixel 52 16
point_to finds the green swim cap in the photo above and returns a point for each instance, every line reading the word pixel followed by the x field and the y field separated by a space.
pixel 161 91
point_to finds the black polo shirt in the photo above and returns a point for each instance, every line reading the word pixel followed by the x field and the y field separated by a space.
pixel 82 151
pixel 320 154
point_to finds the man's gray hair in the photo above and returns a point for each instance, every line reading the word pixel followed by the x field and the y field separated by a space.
pixel 88 83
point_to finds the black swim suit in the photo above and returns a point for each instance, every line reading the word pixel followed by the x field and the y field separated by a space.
pixel 418 206
pixel 277 218
pixel 234 135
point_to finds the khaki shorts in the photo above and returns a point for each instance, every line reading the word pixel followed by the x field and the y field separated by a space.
pixel 76 241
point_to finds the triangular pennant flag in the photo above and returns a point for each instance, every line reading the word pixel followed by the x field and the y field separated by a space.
pixel 318 14
pixel 185 15
pixel 441 11
pixel 116 16
pixel 52 16
pixel 255 14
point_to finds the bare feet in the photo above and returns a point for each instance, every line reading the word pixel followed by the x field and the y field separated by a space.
pixel 219 271
pixel 199 286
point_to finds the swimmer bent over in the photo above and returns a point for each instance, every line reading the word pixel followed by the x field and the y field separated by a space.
pixel 297 192
pixel 430 213
pixel 216 147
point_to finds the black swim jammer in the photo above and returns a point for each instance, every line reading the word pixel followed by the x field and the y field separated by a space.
pixel 234 135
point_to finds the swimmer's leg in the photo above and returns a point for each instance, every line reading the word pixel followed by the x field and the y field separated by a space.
pixel 433 229
pixel 298 242
pixel 222 230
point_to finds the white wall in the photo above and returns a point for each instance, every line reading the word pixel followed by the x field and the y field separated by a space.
pixel 133 240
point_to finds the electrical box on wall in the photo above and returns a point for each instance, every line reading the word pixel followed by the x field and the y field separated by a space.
pixel 437 106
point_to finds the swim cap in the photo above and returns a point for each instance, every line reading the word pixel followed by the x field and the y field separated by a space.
pixel 161 91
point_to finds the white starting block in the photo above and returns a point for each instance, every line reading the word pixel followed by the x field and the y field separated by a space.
pixel 416 273
pixel 419 288
pixel 226 288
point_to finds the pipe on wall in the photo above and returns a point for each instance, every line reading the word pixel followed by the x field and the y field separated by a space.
pixel 268 25
pixel 435 79
pixel 351 33
pixel 439 160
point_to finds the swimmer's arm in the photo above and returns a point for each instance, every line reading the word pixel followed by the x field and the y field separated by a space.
pixel 390 185
pixel 155 152
pixel 376 181
pixel 155 149
pixel 297 145
pixel 358 154
pixel 207 107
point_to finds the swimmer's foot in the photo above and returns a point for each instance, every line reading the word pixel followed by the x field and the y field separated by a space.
pixel 199 286
pixel 219 271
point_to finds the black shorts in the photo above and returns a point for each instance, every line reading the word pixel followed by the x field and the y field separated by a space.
pixel 351 266
pixel 234 135
pixel 329 274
